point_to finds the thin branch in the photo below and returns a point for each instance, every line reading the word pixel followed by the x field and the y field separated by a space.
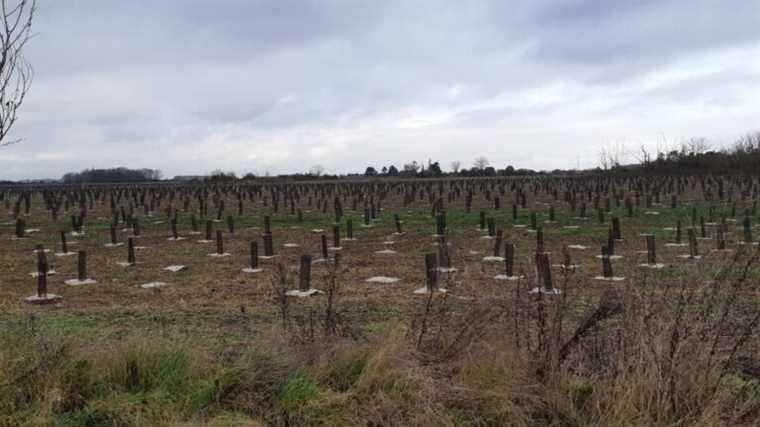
pixel 15 73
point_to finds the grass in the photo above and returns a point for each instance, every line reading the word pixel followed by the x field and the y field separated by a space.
pixel 297 391
pixel 137 380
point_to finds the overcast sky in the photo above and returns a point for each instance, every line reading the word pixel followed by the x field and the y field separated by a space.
pixel 188 86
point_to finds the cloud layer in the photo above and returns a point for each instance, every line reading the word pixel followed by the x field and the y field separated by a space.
pixel 187 86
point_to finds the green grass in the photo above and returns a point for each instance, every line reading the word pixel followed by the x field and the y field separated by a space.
pixel 383 312
pixel 298 390
pixel 343 372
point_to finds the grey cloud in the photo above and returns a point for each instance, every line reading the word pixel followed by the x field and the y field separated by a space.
pixel 190 85
pixel 616 39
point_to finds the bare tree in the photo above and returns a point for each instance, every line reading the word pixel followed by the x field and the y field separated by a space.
pixel 455 165
pixel 643 157
pixel 480 163
pixel 604 160
pixel 696 146
pixel 612 155
pixel 317 170
pixel 15 73
pixel 749 143
pixel 411 168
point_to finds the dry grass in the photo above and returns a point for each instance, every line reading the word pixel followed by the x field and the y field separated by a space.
pixel 648 364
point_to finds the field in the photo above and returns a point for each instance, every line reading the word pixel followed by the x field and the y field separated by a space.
pixel 563 342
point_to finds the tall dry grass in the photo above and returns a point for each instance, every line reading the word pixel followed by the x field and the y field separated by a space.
pixel 634 354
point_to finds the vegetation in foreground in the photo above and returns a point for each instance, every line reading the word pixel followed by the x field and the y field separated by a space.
pixel 639 356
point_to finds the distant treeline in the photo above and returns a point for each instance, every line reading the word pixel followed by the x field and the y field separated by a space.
pixel 692 156
pixel 120 174
pixel 695 156
pixel 480 168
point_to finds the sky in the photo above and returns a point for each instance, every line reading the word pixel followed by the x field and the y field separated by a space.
pixel 279 86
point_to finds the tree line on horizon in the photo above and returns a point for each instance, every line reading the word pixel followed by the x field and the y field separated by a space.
pixel 693 155
pixel 118 174
pixel 690 156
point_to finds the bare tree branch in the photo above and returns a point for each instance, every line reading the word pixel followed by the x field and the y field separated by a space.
pixel 455 165
pixel 16 73
pixel 480 163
